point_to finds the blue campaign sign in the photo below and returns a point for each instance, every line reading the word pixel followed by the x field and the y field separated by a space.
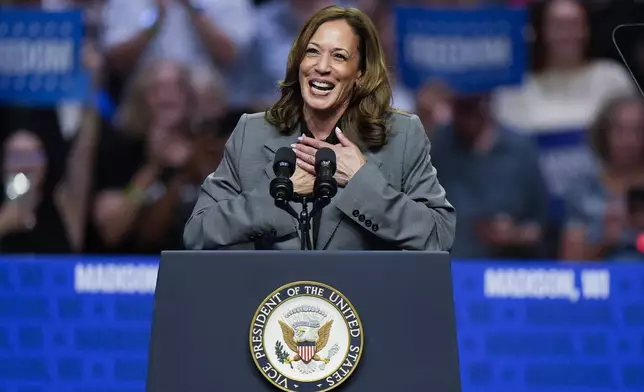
pixel 40 56
pixel 474 51
pixel 564 158
pixel 71 324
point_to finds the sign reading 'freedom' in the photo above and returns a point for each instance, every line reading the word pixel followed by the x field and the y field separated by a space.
pixel 40 56
pixel 471 50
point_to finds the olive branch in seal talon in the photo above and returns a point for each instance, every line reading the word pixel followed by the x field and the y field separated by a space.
pixel 282 355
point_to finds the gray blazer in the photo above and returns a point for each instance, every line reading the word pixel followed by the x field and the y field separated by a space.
pixel 394 202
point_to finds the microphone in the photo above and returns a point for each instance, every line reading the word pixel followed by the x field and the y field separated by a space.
pixel 325 186
pixel 281 187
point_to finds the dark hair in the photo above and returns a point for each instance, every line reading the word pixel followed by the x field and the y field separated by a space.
pixel 604 121
pixel 364 121
pixel 538 14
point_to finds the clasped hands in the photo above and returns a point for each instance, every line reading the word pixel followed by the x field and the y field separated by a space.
pixel 349 160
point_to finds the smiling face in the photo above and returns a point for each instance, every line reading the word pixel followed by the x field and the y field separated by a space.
pixel 330 67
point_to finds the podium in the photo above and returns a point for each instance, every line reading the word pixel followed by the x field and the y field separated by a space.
pixel 257 321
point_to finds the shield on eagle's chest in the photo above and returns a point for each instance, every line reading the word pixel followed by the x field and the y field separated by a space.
pixel 306 350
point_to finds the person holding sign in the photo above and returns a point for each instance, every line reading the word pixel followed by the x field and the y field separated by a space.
pixel 336 95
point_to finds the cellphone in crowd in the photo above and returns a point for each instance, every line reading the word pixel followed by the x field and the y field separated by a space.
pixel 629 42
pixel 16 186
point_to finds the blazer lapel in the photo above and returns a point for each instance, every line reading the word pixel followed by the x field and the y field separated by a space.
pixel 332 215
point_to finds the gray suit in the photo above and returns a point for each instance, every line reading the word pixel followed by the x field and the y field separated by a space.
pixel 393 202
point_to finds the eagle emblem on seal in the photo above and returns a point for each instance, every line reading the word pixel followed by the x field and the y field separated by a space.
pixel 306 333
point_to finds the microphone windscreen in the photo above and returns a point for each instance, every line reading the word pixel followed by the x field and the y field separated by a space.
pixel 284 157
pixel 325 154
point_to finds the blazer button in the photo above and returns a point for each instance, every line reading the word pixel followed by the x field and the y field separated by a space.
pixel 374 227
pixel 356 213
pixel 367 223
pixel 361 218
pixel 251 237
pixel 273 232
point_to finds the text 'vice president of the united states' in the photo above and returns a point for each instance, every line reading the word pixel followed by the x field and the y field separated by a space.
pixel 336 94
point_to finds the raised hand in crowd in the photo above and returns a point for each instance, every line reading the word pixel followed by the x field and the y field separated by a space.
pixel 24 171
pixel 144 31
pixel 75 195
pixel 124 52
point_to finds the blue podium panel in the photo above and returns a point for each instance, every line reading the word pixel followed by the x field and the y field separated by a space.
pixel 205 303
pixel 550 327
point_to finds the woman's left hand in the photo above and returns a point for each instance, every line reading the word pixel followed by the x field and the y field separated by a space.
pixel 349 159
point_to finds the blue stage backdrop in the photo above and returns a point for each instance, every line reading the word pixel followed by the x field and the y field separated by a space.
pixel 40 56
pixel 473 51
pixel 82 325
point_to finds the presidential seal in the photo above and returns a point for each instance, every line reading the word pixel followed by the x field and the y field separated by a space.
pixel 306 337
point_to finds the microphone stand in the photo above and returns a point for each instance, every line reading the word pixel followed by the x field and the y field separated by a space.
pixel 303 219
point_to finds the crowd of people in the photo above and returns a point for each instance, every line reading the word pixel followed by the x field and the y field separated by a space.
pixel 121 173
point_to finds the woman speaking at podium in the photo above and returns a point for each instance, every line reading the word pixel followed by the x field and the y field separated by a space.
pixel 336 94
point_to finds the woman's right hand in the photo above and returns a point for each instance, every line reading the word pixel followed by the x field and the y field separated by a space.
pixel 303 182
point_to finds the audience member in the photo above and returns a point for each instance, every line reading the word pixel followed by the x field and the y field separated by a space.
pixel 145 161
pixel 564 91
pixel 599 222
pixel 79 179
pixel 47 179
pixel 493 179
pixel 46 193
